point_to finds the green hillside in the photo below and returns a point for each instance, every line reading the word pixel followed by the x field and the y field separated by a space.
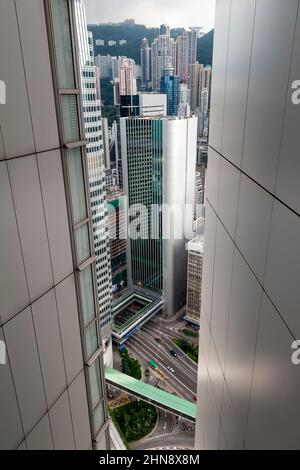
pixel 205 48
pixel 134 35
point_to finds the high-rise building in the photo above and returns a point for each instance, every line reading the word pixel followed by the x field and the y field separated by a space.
pixel 127 80
pixel 149 104
pixel 118 62
pixel 202 151
pixel 194 280
pixel 182 57
pixel 104 62
pixel 163 54
pixel 111 180
pixel 248 378
pixel 117 239
pixel 198 31
pixel 184 109
pixel 106 143
pixel 146 62
pixel 193 36
pixel 159 160
pixel 169 86
pixel 115 67
pixel 199 200
pixel 153 104
pixel 96 174
pixel 200 185
pixel 110 66
pixel 164 30
pixel 126 106
pixel 52 392
pixel 203 114
pixel 186 45
pixel 200 78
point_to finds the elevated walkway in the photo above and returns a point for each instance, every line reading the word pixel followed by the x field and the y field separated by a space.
pixel 163 400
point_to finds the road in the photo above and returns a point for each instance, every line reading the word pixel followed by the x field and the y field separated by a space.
pixel 171 331
pixel 179 440
pixel 183 382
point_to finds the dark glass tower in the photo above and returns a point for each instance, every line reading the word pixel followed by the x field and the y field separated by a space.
pixel 169 85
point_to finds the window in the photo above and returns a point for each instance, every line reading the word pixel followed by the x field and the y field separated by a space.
pixel 70 118
pixel 83 251
pixel 77 184
pixel 87 295
pixel 95 383
pixel 91 340
pixel 98 418
pixel 63 44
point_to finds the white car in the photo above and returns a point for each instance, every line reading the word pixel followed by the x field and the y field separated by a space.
pixel 171 369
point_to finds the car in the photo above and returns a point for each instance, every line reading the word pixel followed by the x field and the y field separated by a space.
pixel 171 369
pixel 174 353
pixel 146 372
pixel 194 398
pixel 158 340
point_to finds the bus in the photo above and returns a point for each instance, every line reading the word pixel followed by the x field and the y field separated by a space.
pixel 153 365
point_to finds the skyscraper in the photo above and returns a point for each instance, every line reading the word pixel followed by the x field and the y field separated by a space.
pixel 96 173
pixel 146 62
pixel 203 113
pixel 200 78
pixel 159 159
pixel 104 62
pixel 127 80
pixel 163 54
pixel 184 109
pixel 169 85
pixel 182 57
pixel 52 392
pixel 193 36
pixel 164 29
pixel 248 384
pixel 194 280
pixel 116 229
pixel 186 54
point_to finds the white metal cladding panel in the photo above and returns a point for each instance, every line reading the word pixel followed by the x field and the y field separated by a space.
pixel 259 408
pixel 15 116
pixel 179 158
pixel 34 43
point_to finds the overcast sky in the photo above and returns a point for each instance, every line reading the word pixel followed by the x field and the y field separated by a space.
pixel 176 13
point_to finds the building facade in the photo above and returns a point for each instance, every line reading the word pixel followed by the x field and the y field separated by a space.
pixel 186 46
pixel 248 383
pixel 127 80
pixel 159 159
pixel 200 78
pixel 104 63
pixel 194 280
pixel 52 384
pixel 96 172
pixel 117 239
pixel 152 104
pixel 163 54
pixel 164 29
pixel 184 108
pixel 182 57
pixel 169 86
pixel 146 62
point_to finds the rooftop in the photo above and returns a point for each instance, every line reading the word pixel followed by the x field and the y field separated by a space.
pixel 132 309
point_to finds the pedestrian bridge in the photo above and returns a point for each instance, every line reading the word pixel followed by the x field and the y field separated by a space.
pixel 164 400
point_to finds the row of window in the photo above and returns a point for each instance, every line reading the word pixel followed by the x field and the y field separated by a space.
pixel 75 163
